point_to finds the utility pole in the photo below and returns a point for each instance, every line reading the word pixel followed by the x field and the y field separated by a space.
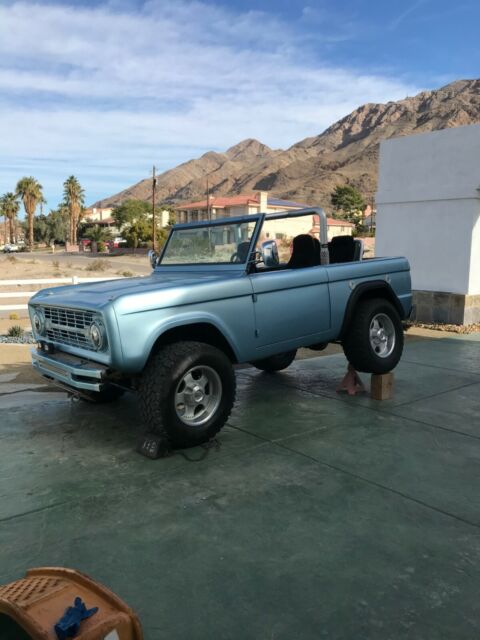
pixel 154 186
pixel 208 202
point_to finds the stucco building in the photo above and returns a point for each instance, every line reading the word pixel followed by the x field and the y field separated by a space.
pixel 428 204
pixel 260 202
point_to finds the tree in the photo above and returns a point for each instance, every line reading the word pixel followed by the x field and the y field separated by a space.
pixel 348 203
pixel 52 227
pixel 97 234
pixel 131 211
pixel 74 197
pixel 30 191
pixel 140 232
pixel 9 207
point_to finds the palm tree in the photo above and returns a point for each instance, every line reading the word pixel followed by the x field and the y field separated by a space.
pixel 74 197
pixel 5 218
pixel 10 208
pixel 30 191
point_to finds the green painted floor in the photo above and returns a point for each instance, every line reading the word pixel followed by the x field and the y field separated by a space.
pixel 317 516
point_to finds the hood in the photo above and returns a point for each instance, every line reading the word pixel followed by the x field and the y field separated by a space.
pixel 97 294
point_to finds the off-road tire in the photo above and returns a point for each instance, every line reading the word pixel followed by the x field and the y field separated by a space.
pixel 105 396
pixel 159 381
pixel 356 341
pixel 275 363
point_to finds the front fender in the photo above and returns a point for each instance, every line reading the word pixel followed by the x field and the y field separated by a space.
pixel 137 343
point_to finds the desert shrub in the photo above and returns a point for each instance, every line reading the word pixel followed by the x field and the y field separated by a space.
pixel 15 331
pixel 56 264
pixel 14 316
pixel 101 246
pixel 11 258
pixel 126 274
pixel 96 265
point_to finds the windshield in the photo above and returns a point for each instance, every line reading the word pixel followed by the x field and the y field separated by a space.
pixel 225 243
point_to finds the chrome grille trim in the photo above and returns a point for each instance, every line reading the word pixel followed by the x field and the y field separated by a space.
pixel 73 318
pixel 73 338
pixel 69 326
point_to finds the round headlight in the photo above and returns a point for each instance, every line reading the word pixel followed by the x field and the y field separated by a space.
pixel 38 322
pixel 96 335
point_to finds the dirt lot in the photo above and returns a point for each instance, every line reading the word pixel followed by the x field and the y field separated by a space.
pixel 60 265
pixel 48 265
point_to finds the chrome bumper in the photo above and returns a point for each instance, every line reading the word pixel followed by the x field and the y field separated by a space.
pixel 69 370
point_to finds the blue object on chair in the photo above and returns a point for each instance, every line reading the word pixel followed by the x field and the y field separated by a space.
pixel 69 625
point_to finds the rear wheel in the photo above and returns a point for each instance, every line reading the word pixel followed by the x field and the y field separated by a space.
pixel 275 363
pixel 373 342
pixel 186 392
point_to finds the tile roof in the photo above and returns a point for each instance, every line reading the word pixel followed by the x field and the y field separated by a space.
pixel 238 201
pixel 333 222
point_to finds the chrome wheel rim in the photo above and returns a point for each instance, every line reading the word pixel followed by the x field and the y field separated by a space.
pixel 198 395
pixel 382 335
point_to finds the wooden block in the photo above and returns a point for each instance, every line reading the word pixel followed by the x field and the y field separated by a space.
pixel 382 386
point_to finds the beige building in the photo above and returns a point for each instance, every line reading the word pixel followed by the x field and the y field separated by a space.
pixel 98 214
pixel 260 202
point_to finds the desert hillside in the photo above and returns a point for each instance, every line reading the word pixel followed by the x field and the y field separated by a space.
pixel 308 171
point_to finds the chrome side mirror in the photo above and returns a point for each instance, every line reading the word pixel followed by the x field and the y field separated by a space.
pixel 269 252
pixel 153 257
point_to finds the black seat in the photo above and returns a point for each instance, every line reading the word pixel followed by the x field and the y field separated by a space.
pixel 241 254
pixel 341 249
pixel 305 252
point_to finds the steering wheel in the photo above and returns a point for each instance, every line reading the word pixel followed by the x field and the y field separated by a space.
pixel 235 257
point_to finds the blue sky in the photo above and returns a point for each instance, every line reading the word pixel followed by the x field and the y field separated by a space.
pixel 103 90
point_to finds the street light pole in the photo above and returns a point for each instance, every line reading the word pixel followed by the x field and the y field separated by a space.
pixel 154 185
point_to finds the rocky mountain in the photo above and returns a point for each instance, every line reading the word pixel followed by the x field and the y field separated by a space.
pixel 347 152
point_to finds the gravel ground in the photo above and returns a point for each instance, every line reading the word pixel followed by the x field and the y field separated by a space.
pixel 27 338
pixel 452 328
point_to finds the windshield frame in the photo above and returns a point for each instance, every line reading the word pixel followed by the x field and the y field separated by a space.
pixel 256 218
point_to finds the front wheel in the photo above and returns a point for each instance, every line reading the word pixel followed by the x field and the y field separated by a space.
pixel 275 363
pixel 373 342
pixel 186 392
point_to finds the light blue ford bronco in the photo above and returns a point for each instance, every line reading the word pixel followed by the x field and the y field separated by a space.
pixel 234 290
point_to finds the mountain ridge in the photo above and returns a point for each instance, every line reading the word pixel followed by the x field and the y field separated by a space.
pixel 308 171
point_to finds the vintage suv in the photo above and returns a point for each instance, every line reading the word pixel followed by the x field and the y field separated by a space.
pixel 234 290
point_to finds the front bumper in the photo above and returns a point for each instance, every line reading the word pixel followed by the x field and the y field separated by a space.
pixel 69 370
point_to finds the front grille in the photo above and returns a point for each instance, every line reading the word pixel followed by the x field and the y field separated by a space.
pixel 73 338
pixel 69 317
pixel 68 326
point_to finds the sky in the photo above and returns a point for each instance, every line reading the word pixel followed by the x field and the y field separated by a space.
pixel 104 90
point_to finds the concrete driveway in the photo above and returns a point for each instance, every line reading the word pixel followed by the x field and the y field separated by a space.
pixel 315 515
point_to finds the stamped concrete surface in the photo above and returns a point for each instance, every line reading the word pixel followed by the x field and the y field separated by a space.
pixel 315 515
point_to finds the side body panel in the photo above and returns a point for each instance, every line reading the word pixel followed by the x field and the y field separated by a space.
pixel 290 305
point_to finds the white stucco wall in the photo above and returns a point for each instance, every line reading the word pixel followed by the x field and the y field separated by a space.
pixel 428 207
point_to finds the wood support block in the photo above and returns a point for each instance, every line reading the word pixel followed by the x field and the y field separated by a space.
pixel 382 386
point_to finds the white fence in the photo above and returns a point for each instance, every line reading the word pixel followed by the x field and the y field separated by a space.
pixel 38 281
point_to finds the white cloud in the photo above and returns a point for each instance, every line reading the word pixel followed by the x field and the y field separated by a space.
pixel 116 89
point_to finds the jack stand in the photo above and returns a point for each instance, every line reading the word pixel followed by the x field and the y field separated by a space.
pixel 351 383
